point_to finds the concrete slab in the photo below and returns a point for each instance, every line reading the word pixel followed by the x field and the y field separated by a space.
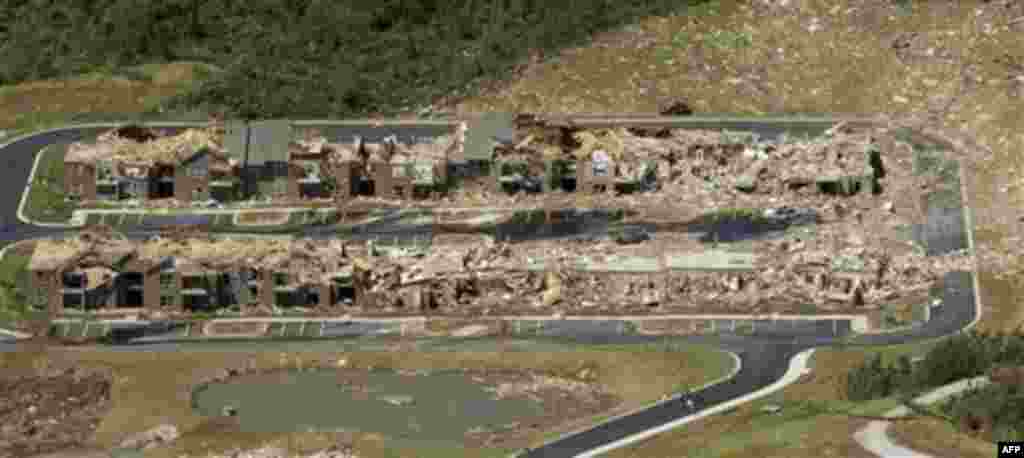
pixel 637 264
pixel 351 328
pixel 714 260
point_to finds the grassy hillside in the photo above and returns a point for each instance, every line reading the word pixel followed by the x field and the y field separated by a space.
pixel 304 57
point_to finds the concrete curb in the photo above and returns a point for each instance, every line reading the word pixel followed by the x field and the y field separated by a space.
pixel 875 438
pixel 797 368
pixel 969 227
pixel 411 319
pixel 28 189
pixel 737 365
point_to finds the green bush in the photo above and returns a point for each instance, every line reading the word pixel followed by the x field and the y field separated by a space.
pixel 1001 404
pixel 955 358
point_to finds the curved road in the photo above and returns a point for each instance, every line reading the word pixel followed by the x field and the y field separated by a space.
pixel 764 356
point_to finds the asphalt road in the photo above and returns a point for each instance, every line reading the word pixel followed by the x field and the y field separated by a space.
pixel 764 355
pixel 764 360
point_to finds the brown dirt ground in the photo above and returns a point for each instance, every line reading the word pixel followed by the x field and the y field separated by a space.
pixel 45 103
pixel 940 439
pixel 152 389
pixel 50 409
pixel 257 217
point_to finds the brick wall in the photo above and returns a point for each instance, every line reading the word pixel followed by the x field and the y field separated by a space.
pixel 184 184
pixel 49 280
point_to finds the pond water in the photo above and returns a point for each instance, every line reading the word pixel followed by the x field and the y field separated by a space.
pixel 436 406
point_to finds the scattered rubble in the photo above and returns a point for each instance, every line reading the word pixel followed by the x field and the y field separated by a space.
pixel 270 451
pixel 838 250
pixel 155 437
pixel 139 148
pixel 54 410
pixel 538 383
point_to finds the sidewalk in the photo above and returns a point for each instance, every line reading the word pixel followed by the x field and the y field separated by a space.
pixel 798 366
pixel 14 334
pixel 874 437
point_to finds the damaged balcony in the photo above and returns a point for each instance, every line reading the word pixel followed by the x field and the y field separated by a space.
pixel 161 182
pixel 209 290
pixel 288 294
pixel 311 183
pixel 342 289
pixel 130 290
pixel 88 289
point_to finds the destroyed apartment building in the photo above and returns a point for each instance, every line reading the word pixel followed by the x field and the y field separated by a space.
pixel 184 272
pixel 175 273
pixel 219 163
pixel 556 154
pixel 136 163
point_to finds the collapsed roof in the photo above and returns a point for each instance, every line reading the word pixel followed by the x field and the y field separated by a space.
pixel 306 262
pixel 143 147
pixel 837 149
pixel 91 247
pixel 390 150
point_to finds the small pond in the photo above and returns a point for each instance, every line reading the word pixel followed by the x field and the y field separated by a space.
pixel 435 406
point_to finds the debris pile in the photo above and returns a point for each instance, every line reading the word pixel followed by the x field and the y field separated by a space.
pixel 155 437
pixel 269 451
pixel 390 150
pixel 96 246
pixel 833 269
pixel 52 410
pixel 538 383
pixel 493 276
pixel 138 147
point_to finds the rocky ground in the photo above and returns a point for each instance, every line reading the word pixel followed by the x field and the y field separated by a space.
pixel 51 411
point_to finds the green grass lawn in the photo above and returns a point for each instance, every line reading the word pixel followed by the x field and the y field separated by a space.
pixel 15 290
pixel 45 201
